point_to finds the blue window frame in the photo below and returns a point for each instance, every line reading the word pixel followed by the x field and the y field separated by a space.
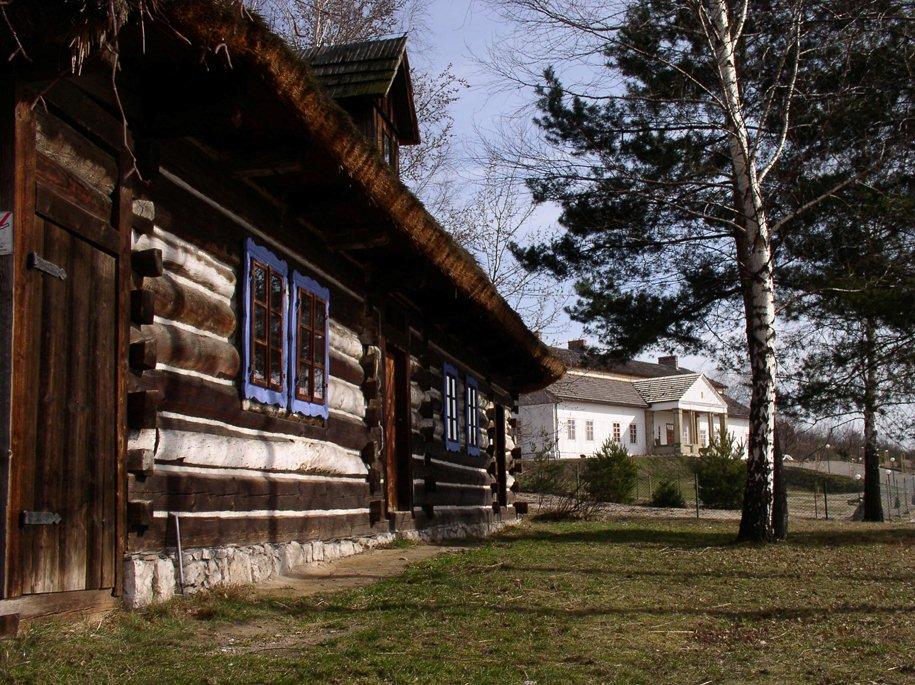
pixel 450 412
pixel 472 410
pixel 266 302
pixel 309 351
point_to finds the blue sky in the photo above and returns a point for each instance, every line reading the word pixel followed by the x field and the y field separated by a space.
pixel 457 32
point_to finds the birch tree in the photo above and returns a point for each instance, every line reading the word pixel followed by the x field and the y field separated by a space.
pixel 684 140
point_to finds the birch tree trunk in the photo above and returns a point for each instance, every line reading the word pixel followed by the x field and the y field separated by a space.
pixel 873 508
pixel 754 256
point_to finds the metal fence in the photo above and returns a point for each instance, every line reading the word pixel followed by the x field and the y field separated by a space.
pixel 813 493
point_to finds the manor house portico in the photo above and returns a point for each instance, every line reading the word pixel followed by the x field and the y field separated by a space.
pixel 660 409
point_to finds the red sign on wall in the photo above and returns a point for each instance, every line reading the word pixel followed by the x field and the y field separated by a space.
pixel 6 233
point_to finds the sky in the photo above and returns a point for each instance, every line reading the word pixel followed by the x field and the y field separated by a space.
pixel 459 32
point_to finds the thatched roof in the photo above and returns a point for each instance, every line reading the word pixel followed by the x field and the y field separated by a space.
pixel 233 35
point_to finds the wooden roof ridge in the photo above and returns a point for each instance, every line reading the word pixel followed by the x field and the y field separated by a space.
pixel 358 51
pixel 233 35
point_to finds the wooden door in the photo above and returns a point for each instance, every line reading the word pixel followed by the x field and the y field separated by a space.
pixel 398 471
pixel 65 411
pixel 670 434
pixel 501 474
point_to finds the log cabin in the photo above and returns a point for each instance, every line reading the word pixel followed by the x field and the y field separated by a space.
pixel 231 340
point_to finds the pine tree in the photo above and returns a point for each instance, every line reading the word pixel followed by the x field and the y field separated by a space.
pixel 726 127
pixel 853 294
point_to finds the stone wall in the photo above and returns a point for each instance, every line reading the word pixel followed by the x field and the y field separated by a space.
pixel 155 577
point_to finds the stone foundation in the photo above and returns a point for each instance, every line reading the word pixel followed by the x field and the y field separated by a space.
pixel 151 577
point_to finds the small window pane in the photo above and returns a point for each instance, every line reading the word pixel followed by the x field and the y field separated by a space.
pixel 276 332
pixel 305 301
pixel 319 350
pixel 276 291
pixel 259 364
pixel 260 284
pixel 302 385
pixel 276 377
pixel 260 323
pixel 319 316
pixel 319 385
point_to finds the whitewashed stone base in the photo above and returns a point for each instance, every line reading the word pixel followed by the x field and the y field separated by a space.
pixel 151 577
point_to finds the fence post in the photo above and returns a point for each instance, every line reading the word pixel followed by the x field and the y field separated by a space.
pixel 816 504
pixel 649 486
pixel 825 501
pixel 696 483
pixel 889 509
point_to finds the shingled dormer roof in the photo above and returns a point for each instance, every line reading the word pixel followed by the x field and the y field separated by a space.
pixel 374 68
pixel 665 389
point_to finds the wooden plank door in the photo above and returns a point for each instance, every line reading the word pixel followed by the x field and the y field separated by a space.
pixel 64 477
pixel 398 472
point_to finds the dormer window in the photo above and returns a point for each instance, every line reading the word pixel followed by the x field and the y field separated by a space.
pixel 371 81
pixel 389 150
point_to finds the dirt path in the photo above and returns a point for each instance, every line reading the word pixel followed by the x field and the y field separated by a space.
pixel 272 635
pixel 350 572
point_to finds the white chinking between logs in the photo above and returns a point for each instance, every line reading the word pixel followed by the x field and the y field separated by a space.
pixel 212 355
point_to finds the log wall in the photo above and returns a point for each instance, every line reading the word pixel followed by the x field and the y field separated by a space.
pixel 238 473
pixel 235 472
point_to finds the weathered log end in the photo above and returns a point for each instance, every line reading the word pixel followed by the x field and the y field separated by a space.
pixel 141 462
pixel 147 263
pixel 142 408
pixel 376 511
pixel 140 513
pixel 142 355
pixel 142 306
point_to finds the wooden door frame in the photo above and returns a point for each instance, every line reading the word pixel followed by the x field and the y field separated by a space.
pixel 501 457
pixel 14 131
pixel 400 394
pixel 17 192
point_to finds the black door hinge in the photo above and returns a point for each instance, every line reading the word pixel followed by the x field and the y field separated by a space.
pixel 36 262
pixel 39 518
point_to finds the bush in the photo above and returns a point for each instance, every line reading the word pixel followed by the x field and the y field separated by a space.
pixel 667 494
pixel 721 473
pixel 560 492
pixel 610 474
pixel 544 475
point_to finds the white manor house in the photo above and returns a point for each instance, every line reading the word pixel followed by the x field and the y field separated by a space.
pixel 651 408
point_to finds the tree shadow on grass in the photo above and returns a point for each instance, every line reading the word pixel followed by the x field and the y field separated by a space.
pixel 856 534
pixel 748 614
pixel 686 538
pixel 725 574
pixel 611 534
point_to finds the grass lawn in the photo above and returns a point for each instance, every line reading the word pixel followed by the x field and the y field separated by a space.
pixel 621 601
